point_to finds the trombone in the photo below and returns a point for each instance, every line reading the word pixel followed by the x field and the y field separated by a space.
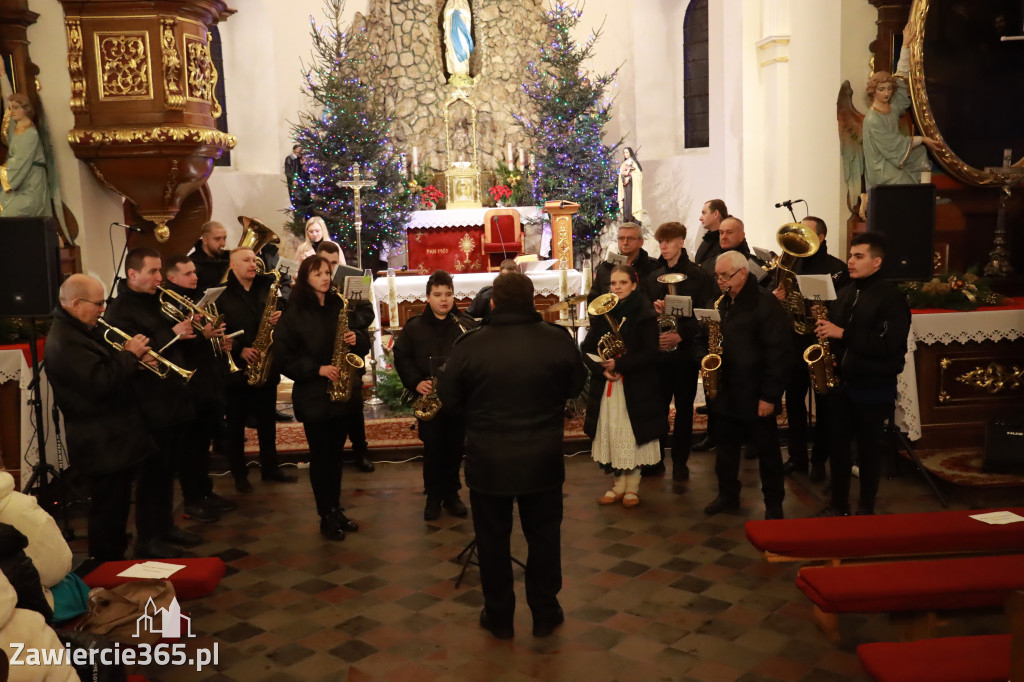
pixel 164 366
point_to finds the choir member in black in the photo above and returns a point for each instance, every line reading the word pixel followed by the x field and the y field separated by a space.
pixel 209 255
pixel 480 308
pixel 626 416
pixel 420 352
pixel 304 344
pixel 207 392
pixel 821 263
pixel 631 245
pixel 362 316
pixel 867 331
pixel 242 305
pixel 92 385
pixel 679 362
pixel 165 403
pixel 510 379
pixel 711 216
pixel 756 357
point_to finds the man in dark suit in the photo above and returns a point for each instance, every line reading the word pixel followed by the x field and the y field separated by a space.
pixel 711 216
pixel 631 245
pixel 209 255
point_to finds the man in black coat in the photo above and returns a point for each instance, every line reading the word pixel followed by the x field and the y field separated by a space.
pixel 711 216
pixel 510 379
pixel 243 304
pixel 867 332
pixel 480 308
pixel 420 351
pixel 732 236
pixel 631 243
pixel 92 386
pixel 679 363
pixel 209 255
pixel 165 403
pixel 756 358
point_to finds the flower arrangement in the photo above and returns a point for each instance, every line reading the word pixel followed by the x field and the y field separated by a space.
pixel 513 179
pixel 499 193
pixel 429 196
pixel 957 291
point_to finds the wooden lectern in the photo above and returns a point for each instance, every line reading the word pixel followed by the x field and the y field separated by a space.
pixel 561 231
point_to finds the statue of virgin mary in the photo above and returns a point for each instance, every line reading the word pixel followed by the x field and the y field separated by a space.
pixel 458 39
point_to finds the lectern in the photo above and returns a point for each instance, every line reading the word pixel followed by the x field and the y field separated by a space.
pixel 561 213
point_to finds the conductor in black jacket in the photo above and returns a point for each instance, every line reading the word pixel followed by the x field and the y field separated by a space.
pixel 304 344
pixel 756 358
pixel 510 379
pixel 867 329
pixel 630 245
pixel 92 386
pixel 165 403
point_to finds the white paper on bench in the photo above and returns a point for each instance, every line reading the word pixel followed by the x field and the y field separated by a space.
pixel 998 518
pixel 155 570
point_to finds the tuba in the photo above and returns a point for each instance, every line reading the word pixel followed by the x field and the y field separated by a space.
pixel 667 323
pixel 611 344
pixel 821 364
pixel 257 373
pixel 341 390
pixel 164 366
pixel 797 241
pixel 255 235
pixel 426 407
pixel 711 364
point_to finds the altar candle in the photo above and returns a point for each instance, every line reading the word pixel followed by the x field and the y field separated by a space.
pixel 563 287
pixel 509 155
pixel 415 160
pixel 587 275
pixel 522 159
pixel 392 299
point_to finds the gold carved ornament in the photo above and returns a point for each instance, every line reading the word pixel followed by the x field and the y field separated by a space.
pixel 202 75
pixel 122 61
pixel 993 379
pixel 173 95
pixel 210 136
pixel 73 28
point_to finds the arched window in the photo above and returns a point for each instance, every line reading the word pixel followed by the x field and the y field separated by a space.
pixel 695 75
pixel 217 56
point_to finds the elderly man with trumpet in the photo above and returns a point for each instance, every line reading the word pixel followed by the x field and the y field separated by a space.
pixel 164 400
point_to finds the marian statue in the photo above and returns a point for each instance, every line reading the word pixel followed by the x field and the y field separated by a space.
pixel 631 185
pixel 458 39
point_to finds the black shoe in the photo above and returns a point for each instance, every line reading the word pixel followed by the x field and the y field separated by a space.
pixel 818 473
pixel 544 628
pixel 242 484
pixel 832 511
pixel 432 511
pixel 278 476
pixel 454 506
pixel 280 416
pixel 330 526
pixel 200 511
pixel 362 460
pixel 792 467
pixel 157 549
pixel 680 472
pixel 705 444
pixel 345 522
pixel 180 536
pixel 773 511
pixel 721 504
pixel 221 504
pixel 653 470
pixel 500 633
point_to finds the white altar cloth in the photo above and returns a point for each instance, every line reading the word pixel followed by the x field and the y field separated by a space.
pixel 466 217
pixel 13 367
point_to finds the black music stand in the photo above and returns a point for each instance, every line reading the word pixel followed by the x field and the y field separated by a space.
pixel 469 555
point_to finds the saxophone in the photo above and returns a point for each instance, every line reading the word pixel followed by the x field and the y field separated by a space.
pixel 426 407
pixel 711 364
pixel 821 364
pixel 257 373
pixel 341 390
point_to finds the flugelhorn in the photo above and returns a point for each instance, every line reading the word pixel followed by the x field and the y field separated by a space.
pixel 611 344
pixel 164 366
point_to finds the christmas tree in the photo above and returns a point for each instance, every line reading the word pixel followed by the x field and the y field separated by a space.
pixel 348 125
pixel 573 162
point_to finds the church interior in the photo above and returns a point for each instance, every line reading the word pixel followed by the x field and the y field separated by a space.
pixel 152 119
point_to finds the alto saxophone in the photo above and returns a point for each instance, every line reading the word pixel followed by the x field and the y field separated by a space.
pixel 258 372
pixel 341 390
pixel 821 364
pixel 426 407
pixel 711 364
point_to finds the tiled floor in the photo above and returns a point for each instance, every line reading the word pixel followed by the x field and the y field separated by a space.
pixel 659 592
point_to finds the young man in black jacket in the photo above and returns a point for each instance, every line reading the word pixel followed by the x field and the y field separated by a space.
pixel 420 351
pixel 867 329
pixel 631 245
pixel 92 385
pixel 711 216
pixel 679 363
pixel 756 357
pixel 510 379
pixel 209 255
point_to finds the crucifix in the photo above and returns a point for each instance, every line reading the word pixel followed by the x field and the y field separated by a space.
pixel 357 184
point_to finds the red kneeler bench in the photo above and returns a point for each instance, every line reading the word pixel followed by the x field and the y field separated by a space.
pixel 984 658
pixel 199 577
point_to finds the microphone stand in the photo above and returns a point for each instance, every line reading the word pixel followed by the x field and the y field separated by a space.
pixel 117 270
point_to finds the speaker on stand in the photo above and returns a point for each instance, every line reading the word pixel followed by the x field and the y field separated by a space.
pixel 905 214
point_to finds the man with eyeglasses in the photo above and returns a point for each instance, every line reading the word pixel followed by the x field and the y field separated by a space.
pixel 631 242
pixel 756 359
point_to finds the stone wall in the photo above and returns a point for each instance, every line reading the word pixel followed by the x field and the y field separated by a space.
pixel 404 58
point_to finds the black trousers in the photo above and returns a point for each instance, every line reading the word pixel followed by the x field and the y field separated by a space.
pixel 763 433
pixel 541 518
pixel 863 424
pixel 443 444
pixel 194 463
pixel 358 433
pixel 326 442
pixel 108 514
pixel 679 381
pixel 154 495
pixel 242 401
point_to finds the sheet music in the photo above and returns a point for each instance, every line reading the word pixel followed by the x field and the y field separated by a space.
pixel 615 258
pixel 680 306
pixel 756 270
pixel 210 296
pixel 286 266
pixel 816 287
pixel 357 288
pixel 707 315
pixel 764 254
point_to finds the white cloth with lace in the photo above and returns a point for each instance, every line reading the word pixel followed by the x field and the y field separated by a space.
pixel 614 443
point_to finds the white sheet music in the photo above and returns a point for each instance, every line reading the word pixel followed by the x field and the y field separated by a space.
pixel 680 306
pixel 816 287
pixel 615 258
pixel 357 288
pixel 707 315
pixel 756 270
pixel 210 296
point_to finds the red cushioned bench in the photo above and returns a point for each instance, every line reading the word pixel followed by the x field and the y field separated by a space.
pixel 916 588
pixel 198 579
pixel 891 535
pixel 984 658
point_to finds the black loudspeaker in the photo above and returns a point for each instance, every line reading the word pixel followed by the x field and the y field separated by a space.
pixel 905 214
pixel 1004 447
pixel 30 275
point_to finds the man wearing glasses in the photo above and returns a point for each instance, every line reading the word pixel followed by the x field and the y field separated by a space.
pixel 631 243
pixel 756 359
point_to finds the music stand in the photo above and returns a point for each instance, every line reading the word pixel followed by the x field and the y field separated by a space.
pixel 466 557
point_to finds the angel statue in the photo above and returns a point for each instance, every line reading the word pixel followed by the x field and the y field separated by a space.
pixel 631 184
pixel 458 39
pixel 880 145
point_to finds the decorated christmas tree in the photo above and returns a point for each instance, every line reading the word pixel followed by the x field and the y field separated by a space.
pixel 573 162
pixel 347 123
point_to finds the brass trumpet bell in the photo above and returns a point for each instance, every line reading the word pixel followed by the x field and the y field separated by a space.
pixel 798 240
pixel 255 235
pixel 603 304
pixel 672 278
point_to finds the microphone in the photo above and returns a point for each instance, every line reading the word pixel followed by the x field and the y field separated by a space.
pixel 131 228
pixel 504 253
pixel 788 203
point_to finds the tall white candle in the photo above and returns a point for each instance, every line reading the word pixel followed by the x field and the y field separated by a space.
pixel 415 160
pixel 522 159
pixel 509 156
pixel 563 288
pixel 392 299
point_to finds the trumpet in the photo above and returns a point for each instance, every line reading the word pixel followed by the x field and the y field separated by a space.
pixel 179 308
pixel 164 367
pixel 611 344
pixel 218 350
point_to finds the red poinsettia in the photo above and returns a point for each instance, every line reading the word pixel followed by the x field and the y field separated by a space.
pixel 500 192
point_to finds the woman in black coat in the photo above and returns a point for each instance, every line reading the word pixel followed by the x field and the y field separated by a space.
pixel 625 414
pixel 303 345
